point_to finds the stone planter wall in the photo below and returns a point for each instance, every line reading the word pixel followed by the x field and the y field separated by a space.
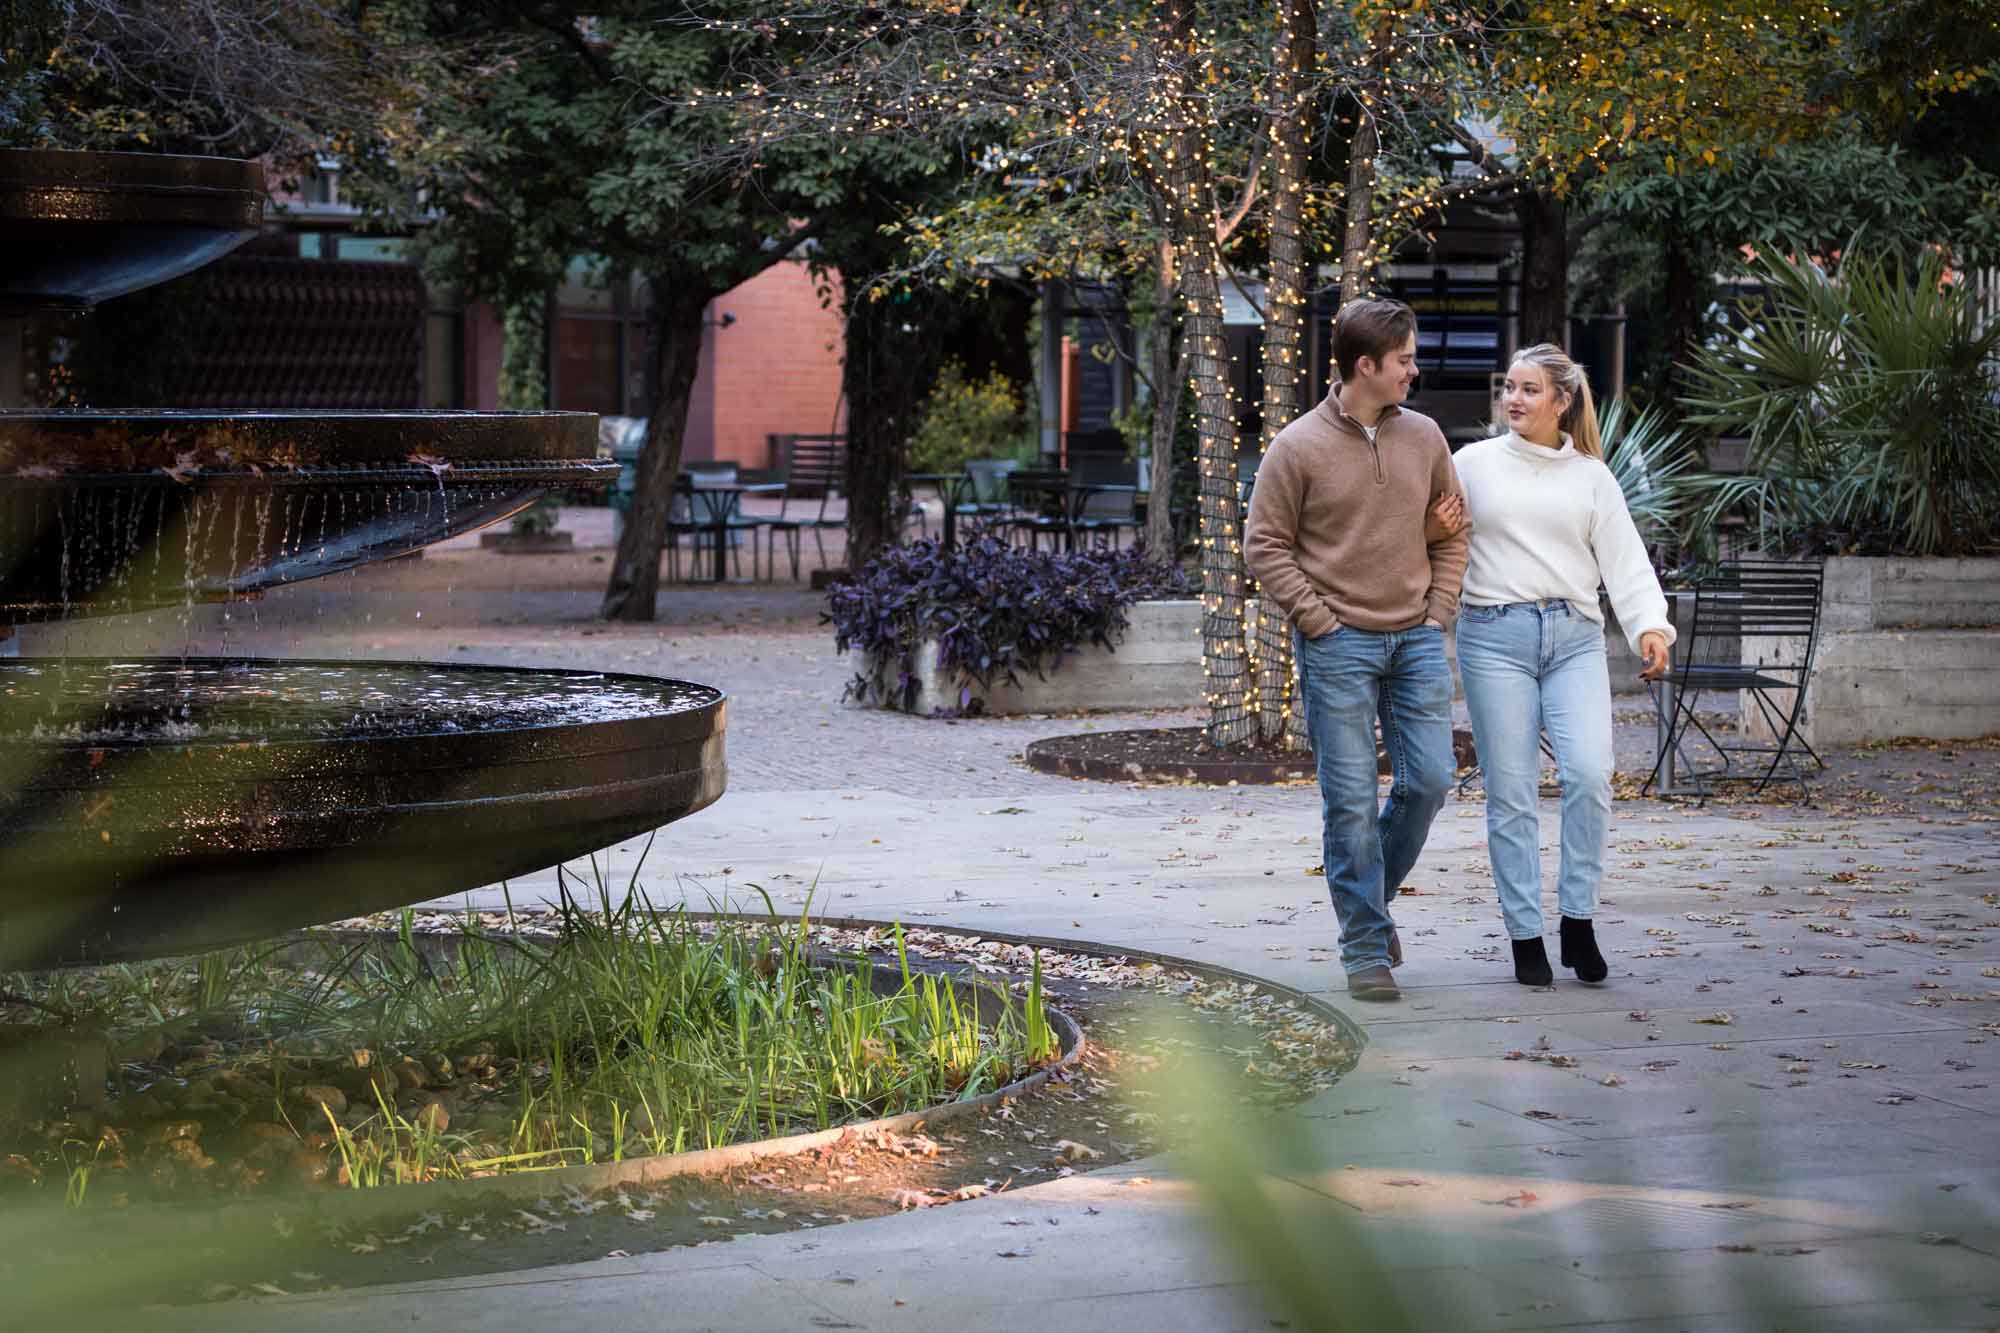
pixel 1157 665
pixel 1908 647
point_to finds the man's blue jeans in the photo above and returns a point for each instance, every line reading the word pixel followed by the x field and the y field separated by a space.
pixel 1353 679
pixel 1530 667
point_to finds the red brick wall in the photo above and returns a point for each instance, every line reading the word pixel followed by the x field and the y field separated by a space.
pixel 775 370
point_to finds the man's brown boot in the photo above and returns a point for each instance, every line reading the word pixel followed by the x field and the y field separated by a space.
pixel 1372 983
pixel 1395 948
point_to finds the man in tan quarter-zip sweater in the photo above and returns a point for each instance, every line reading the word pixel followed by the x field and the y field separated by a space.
pixel 1336 537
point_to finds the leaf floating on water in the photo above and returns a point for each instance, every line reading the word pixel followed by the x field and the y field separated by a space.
pixel 1737 1249
pixel 1721 1018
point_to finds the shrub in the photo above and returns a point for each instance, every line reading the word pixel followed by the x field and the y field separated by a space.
pixel 1653 463
pixel 995 611
pixel 965 419
pixel 1869 402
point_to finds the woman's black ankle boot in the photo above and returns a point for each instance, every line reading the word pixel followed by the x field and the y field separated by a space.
pixel 1531 963
pixel 1579 951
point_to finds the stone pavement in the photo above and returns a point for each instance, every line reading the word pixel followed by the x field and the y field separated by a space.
pixel 1779 1112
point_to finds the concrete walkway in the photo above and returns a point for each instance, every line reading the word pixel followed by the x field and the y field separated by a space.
pixel 1839 1118
pixel 1779 1112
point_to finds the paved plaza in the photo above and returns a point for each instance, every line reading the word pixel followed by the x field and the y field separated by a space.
pixel 1780 1111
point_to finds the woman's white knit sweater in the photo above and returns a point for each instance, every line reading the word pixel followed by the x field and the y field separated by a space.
pixel 1549 523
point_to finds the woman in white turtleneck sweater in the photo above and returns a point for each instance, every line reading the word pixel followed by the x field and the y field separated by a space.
pixel 1549 525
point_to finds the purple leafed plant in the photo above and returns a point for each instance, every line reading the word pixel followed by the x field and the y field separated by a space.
pixel 995 611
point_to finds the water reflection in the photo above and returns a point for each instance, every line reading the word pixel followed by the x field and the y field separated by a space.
pixel 152 700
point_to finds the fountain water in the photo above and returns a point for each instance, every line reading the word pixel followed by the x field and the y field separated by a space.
pixel 154 806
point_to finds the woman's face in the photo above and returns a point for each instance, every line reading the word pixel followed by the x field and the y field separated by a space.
pixel 1534 409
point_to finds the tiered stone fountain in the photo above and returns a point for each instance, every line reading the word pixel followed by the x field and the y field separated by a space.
pixel 156 806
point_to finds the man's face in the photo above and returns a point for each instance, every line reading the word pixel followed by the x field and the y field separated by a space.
pixel 1390 379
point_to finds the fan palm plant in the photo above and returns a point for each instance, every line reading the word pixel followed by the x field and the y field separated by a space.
pixel 1871 405
pixel 1650 455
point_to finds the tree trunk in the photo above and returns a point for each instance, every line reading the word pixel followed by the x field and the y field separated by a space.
pixel 884 377
pixel 1285 374
pixel 1683 311
pixel 1167 355
pixel 524 354
pixel 1188 189
pixel 1357 241
pixel 1544 220
pixel 678 312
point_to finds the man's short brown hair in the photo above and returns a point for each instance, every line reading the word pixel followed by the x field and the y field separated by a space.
pixel 1373 329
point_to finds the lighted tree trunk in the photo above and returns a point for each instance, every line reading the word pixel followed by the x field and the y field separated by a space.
pixel 1544 221
pixel 1285 375
pixel 1187 185
pixel 1357 258
pixel 678 310
pixel 1167 366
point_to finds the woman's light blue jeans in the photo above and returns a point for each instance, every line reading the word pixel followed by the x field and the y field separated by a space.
pixel 1530 667
pixel 1352 680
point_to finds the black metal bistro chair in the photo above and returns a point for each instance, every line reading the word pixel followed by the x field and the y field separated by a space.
pixel 815 472
pixel 1104 499
pixel 1755 630
pixel 1039 504
pixel 693 514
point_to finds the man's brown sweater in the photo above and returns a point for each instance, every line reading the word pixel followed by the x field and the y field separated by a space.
pixel 1336 527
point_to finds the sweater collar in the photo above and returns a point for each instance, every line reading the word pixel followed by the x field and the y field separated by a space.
pixel 1541 453
pixel 1339 416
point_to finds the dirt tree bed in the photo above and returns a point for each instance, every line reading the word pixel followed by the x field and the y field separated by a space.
pixel 1183 755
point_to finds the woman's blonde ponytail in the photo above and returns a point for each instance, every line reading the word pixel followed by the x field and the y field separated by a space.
pixel 1581 419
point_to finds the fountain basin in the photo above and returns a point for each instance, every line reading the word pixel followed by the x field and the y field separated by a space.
pixel 155 806
pixel 79 228
pixel 107 512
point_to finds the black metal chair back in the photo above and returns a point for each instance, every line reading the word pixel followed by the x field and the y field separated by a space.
pixel 1757 614
pixel 815 468
pixel 1754 633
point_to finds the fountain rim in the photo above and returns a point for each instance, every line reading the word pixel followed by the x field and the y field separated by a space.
pixel 707 711
pixel 72 186
pixel 568 473
pixel 331 438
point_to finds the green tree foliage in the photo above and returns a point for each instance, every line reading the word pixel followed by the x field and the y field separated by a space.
pixel 536 132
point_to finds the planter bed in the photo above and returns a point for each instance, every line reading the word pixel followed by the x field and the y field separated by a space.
pixel 1157 665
